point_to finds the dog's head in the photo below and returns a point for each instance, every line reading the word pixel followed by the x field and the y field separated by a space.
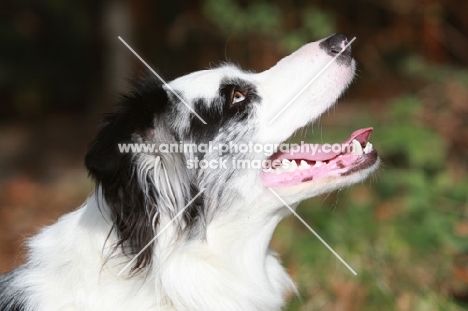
pixel 225 109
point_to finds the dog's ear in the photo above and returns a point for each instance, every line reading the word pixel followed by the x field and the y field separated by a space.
pixel 139 188
pixel 135 116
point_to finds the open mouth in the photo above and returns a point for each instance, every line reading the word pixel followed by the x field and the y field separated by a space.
pixel 314 161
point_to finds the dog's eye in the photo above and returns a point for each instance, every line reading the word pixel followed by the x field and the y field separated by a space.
pixel 238 97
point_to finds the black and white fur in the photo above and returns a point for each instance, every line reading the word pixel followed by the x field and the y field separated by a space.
pixel 216 256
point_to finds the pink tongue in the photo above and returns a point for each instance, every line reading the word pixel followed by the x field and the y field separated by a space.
pixel 318 154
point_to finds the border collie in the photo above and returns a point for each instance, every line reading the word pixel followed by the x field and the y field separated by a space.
pixel 199 235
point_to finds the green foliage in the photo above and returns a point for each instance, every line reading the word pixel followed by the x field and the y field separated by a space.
pixel 267 19
pixel 416 67
pixel 315 24
pixel 259 16
pixel 400 133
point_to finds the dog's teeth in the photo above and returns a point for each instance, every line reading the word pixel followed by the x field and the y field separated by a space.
pixel 368 148
pixel 292 166
pixel 318 163
pixel 357 149
pixel 278 170
pixel 304 165
pixel 288 165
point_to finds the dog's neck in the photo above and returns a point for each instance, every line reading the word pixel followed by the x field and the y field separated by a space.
pixel 243 242
pixel 233 257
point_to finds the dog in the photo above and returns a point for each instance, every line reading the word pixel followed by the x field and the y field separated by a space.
pixel 161 231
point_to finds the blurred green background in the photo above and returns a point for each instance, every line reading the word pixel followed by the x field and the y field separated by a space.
pixel 405 230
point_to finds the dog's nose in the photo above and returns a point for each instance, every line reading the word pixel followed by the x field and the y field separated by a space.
pixel 335 44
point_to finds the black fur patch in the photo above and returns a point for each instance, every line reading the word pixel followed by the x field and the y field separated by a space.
pixel 115 171
pixel 222 111
pixel 136 114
